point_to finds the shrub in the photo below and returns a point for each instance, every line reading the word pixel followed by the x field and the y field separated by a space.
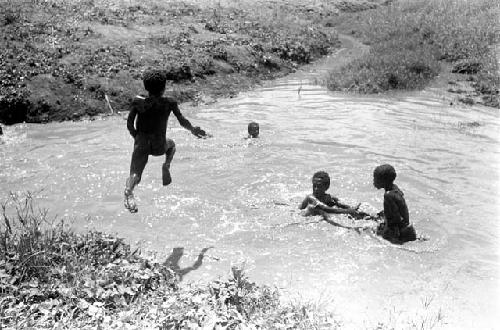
pixel 45 265
pixel 52 277
pixel 408 39
pixel 379 71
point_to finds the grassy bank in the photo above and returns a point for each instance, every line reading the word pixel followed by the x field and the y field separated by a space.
pixel 412 41
pixel 60 59
pixel 52 277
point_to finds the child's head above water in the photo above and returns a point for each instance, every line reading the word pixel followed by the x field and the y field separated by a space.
pixel 253 130
pixel 321 182
pixel 154 81
pixel 383 176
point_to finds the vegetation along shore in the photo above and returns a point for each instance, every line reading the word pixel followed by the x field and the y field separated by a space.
pixel 64 60
pixel 67 60
pixel 412 42
pixel 54 278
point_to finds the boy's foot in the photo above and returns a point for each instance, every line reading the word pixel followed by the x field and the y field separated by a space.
pixel 167 179
pixel 129 201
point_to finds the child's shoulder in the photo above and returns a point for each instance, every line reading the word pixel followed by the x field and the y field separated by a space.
pixel 395 192
pixel 139 98
pixel 138 103
pixel 142 103
pixel 171 97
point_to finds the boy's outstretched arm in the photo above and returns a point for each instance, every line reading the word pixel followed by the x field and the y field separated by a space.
pixel 353 212
pixel 337 203
pixel 342 205
pixel 196 131
pixel 330 209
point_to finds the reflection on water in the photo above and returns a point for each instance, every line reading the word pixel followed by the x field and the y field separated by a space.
pixel 241 196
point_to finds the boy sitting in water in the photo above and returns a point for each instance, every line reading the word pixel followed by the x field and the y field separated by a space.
pixel 397 227
pixel 147 123
pixel 319 201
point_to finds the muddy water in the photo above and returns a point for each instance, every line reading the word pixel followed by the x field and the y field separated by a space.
pixel 239 197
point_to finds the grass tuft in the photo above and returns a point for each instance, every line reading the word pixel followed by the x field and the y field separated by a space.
pixel 410 38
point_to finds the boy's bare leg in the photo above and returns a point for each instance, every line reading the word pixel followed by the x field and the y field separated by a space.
pixel 137 165
pixel 129 200
pixel 169 155
pixel 131 182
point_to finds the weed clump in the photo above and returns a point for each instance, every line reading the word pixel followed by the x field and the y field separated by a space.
pixel 52 277
pixel 410 38
pixel 400 69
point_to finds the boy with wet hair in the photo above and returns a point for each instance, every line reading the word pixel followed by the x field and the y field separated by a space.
pixel 147 123
pixel 397 227
pixel 319 201
pixel 253 130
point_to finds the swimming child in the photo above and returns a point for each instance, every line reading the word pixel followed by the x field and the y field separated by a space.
pixel 253 130
pixel 320 201
pixel 147 123
pixel 397 227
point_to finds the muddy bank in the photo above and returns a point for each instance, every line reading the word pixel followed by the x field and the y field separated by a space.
pixel 67 62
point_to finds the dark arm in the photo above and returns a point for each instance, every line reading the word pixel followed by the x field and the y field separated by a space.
pixel 196 131
pixel 333 209
pixel 335 202
pixel 131 121
pixel 331 206
pixel 343 206
pixel 182 120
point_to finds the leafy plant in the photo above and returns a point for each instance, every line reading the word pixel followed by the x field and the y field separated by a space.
pixel 52 277
pixel 409 38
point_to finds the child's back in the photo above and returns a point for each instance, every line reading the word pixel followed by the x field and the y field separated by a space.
pixel 395 208
pixel 397 227
pixel 152 115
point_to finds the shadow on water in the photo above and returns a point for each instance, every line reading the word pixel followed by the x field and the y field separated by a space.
pixel 174 258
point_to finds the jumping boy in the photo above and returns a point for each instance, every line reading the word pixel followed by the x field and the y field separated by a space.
pixel 397 227
pixel 147 123
pixel 253 130
pixel 320 201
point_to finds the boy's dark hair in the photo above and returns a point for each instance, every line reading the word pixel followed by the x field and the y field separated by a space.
pixel 323 176
pixel 154 81
pixel 385 173
pixel 253 124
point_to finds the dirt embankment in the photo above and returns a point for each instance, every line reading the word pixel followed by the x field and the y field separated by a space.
pixel 63 61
